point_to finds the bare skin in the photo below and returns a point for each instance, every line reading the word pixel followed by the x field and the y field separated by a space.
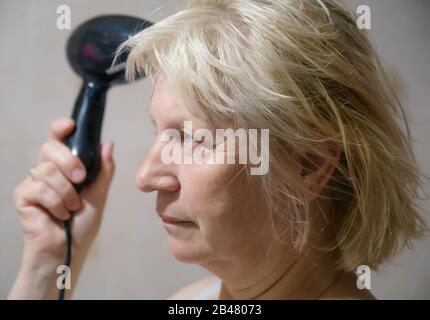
pixel 46 198
pixel 225 229
pixel 341 290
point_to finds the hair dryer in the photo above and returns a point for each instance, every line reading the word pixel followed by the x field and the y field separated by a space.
pixel 90 51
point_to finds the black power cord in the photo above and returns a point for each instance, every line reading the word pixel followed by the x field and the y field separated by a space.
pixel 68 259
pixel 69 241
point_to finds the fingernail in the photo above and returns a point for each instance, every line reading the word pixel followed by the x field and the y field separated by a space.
pixel 78 174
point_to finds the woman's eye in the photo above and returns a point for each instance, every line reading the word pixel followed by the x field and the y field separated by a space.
pixel 188 139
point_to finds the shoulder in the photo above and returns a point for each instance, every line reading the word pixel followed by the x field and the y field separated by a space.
pixel 191 290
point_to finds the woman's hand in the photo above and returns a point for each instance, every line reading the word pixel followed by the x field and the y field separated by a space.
pixel 44 200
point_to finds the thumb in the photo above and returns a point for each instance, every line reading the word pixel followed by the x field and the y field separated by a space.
pixel 97 191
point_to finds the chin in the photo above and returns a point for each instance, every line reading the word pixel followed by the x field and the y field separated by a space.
pixel 187 251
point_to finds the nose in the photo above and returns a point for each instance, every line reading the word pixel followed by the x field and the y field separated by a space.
pixel 154 175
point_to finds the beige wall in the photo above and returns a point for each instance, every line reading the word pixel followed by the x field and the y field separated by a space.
pixel 130 258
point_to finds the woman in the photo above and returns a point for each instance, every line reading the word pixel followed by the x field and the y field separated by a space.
pixel 341 189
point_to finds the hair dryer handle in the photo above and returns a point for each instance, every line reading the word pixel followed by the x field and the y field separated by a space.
pixel 84 142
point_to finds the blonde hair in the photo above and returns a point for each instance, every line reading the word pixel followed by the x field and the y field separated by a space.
pixel 305 71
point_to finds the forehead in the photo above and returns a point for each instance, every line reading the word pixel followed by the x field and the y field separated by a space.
pixel 163 100
pixel 161 95
pixel 166 107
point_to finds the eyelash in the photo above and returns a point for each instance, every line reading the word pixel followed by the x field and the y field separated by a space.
pixel 183 134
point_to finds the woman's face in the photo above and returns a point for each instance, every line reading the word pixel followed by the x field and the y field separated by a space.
pixel 222 213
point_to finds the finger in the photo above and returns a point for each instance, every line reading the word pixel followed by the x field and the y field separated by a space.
pixel 107 163
pixel 61 128
pixel 62 156
pixel 100 187
pixel 49 173
pixel 107 152
pixel 39 193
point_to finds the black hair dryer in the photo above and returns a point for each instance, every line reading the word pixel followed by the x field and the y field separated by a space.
pixel 91 50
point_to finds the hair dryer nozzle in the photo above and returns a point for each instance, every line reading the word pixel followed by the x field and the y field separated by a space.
pixel 91 47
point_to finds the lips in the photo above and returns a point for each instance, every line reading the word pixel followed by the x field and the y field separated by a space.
pixel 172 220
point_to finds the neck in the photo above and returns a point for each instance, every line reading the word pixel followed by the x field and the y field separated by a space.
pixel 277 272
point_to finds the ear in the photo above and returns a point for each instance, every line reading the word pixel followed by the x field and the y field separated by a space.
pixel 317 171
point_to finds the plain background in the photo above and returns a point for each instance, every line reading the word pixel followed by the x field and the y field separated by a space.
pixel 130 258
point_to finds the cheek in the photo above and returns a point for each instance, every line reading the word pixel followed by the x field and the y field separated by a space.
pixel 228 208
pixel 210 188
